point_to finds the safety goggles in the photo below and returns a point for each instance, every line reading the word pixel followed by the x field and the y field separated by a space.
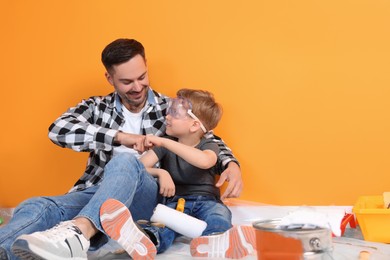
pixel 180 107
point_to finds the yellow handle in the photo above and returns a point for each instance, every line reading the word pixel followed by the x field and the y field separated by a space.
pixel 180 205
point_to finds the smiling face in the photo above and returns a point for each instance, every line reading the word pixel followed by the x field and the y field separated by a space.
pixel 178 127
pixel 180 121
pixel 131 82
pixel 181 108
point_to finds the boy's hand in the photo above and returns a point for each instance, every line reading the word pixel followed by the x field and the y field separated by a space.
pixel 132 141
pixel 152 140
pixel 167 186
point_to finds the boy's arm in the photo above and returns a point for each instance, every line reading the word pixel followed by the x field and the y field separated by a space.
pixel 167 186
pixel 203 159
pixel 149 159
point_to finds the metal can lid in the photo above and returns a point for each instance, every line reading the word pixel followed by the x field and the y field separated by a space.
pixel 273 225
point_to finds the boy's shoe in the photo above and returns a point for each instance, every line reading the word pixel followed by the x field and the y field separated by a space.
pixel 237 242
pixel 64 241
pixel 119 225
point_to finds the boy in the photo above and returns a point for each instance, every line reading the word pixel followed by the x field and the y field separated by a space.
pixel 188 169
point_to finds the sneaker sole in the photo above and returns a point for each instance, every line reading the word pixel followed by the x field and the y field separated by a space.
pixel 19 249
pixel 235 243
pixel 119 225
pixel 26 252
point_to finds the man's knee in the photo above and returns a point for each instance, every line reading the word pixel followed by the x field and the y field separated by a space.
pixel 124 160
pixel 40 206
pixel 123 163
pixel 37 203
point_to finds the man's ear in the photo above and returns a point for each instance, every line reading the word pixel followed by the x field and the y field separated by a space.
pixel 109 78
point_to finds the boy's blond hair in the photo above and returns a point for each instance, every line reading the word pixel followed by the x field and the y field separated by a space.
pixel 204 106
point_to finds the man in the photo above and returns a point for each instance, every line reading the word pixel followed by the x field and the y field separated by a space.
pixel 112 129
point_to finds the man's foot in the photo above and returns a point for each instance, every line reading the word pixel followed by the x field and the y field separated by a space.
pixel 237 242
pixel 119 225
pixel 64 241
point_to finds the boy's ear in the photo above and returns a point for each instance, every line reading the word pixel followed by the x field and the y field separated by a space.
pixel 195 126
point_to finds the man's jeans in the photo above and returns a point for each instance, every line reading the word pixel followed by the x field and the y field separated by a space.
pixel 207 208
pixel 125 179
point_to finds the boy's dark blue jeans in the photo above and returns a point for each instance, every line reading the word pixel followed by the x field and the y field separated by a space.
pixel 207 208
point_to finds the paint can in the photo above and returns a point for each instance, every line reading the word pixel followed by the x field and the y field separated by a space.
pixel 276 242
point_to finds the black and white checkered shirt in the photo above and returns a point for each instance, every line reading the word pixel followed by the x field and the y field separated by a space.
pixel 92 124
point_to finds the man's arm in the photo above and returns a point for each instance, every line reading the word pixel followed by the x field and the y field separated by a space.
pixel 76 128
pixel 84 128
pixel 225 155
pixel 229 167
pixel 132 141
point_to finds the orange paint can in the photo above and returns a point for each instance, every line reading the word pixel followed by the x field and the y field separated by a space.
pixel 276 242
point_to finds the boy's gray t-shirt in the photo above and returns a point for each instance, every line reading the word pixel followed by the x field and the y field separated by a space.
pixel 188 179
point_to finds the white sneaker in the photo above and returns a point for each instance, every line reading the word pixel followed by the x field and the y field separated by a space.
pixel 237 242
pixel 3 254
pixel 64 241
pixel 118 223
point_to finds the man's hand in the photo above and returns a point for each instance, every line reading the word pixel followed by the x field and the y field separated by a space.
pixel 231 174
pixel 132 141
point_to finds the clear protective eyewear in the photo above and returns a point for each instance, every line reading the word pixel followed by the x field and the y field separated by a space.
pixel 180 107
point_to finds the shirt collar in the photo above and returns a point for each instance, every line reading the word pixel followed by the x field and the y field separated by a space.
pixel 151 100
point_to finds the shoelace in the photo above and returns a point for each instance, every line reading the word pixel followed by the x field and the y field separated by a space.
pixel 60 232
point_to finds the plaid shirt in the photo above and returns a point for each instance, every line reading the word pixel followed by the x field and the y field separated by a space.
pixel 92 124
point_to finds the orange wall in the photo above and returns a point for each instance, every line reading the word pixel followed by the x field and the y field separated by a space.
pixel 305 87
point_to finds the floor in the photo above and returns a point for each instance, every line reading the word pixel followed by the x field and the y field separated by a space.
pixel 346 247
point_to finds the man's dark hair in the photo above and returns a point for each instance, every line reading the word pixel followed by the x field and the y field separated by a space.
pixel 120 51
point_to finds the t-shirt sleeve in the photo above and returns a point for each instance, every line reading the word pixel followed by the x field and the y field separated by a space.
pixel 208 144
pixel 161 151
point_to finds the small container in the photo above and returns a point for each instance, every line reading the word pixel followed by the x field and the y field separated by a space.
pixel 274 242
pixel 373 218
